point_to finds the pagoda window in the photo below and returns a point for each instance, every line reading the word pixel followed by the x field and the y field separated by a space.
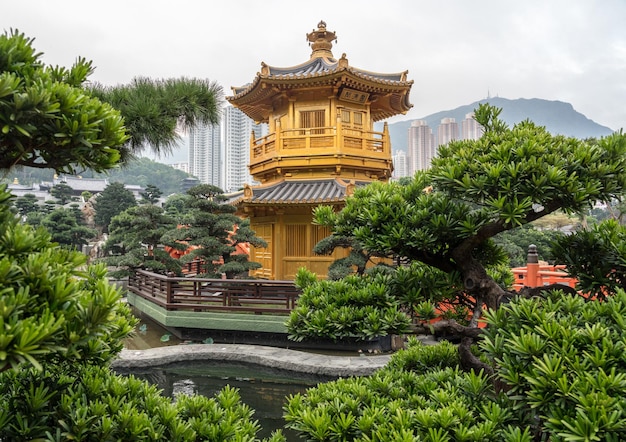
pixel 345 116
pixel 358 119
pixel 300 239
pixel 318 233
pixel 296 240
pixel 314 120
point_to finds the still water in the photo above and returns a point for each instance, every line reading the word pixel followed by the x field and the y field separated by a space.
pixel 264 389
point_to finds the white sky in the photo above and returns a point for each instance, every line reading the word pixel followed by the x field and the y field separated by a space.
pixel 456 51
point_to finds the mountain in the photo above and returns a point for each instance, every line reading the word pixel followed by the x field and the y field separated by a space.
pixel 557 117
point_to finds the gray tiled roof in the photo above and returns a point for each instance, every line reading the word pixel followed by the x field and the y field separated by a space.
pixel 311 67
pixel 318 67
pixel 81 184
pixel 295 192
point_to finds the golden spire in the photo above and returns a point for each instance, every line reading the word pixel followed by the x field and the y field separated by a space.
pixel 321 41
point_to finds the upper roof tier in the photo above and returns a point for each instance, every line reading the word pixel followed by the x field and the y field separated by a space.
pixel 387 94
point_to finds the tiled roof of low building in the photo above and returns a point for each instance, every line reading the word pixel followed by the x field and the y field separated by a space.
pixel 296 192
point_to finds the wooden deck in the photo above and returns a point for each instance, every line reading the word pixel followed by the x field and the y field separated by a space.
pixel 215 295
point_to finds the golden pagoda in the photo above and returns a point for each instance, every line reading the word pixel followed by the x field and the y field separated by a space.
pixel 321 144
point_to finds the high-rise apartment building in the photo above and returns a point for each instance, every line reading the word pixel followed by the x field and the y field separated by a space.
pixel 421 146
pixel 470 128
pixel 205 154
pixel 400 165
pixel 237 129
pixel 447 131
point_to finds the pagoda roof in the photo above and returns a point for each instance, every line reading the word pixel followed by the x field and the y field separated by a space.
pixel 317 191
pixel 388 92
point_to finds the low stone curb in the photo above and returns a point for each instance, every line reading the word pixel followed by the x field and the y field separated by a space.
pixel 280 358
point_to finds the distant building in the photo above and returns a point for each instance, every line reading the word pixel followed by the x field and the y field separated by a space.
pixel 400 165
pixel 421 147
pixel 205 156
pixel 80 184
pixel 181 166
pixel 238 129
pixel 470 129
pixel 447 131
pixel 188 183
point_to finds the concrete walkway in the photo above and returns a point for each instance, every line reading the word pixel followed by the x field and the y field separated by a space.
pixel 281 358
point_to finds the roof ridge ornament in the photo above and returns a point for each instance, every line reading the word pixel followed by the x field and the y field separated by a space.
pixel 321 41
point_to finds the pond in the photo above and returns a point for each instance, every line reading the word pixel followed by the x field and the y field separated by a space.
pixel 264 389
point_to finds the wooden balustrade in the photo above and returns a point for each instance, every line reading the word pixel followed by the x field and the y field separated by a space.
pixel 226 295
pixel 318 138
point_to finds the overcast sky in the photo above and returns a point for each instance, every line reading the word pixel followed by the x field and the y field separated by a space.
pixel 456 51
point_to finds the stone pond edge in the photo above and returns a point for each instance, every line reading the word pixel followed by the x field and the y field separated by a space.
pixel 279 358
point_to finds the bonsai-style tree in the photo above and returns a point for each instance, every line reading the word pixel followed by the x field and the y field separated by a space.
pixel 65 229
pixel 26 204
pixel 215 231
pixel 62 192
pixel 134 240
pixel 113 200
pixel 151 194
pixel 445 217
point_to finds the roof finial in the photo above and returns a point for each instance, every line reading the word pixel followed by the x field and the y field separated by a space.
pixel 321 41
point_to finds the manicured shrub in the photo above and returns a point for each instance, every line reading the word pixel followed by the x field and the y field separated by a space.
pixel 353 307
pixel 563 362
pixel 560 375
pixel 91 404
pixel 436 403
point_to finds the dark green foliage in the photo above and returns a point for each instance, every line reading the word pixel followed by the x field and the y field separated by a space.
pixel 46 118
pixel 407 401
pixel 91 403
pixel 355 307
pixel 151 194
pixel 65 229
pixel 52 308
pixel 355 262
pixel 153 109
pixel 62 192
pixel 176 206
pixel 418 282
pixel 135 241
pixel 515 244
pixel 212 226
pixel 422 358
pixel 26 204
pixel 563 360
pixel 596 257
pixel 560 372
pixel 113 200
pixel 476 189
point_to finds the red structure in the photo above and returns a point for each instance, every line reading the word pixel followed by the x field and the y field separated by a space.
pixel 536 274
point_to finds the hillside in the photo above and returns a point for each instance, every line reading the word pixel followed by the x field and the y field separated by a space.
pixel 558 118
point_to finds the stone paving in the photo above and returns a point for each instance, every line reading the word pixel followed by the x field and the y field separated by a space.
pixel 281 358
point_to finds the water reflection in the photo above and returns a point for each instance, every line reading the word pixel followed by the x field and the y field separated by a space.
pixel 264 389
pixel 149 334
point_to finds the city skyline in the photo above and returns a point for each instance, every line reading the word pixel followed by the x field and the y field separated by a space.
pixel 568 50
